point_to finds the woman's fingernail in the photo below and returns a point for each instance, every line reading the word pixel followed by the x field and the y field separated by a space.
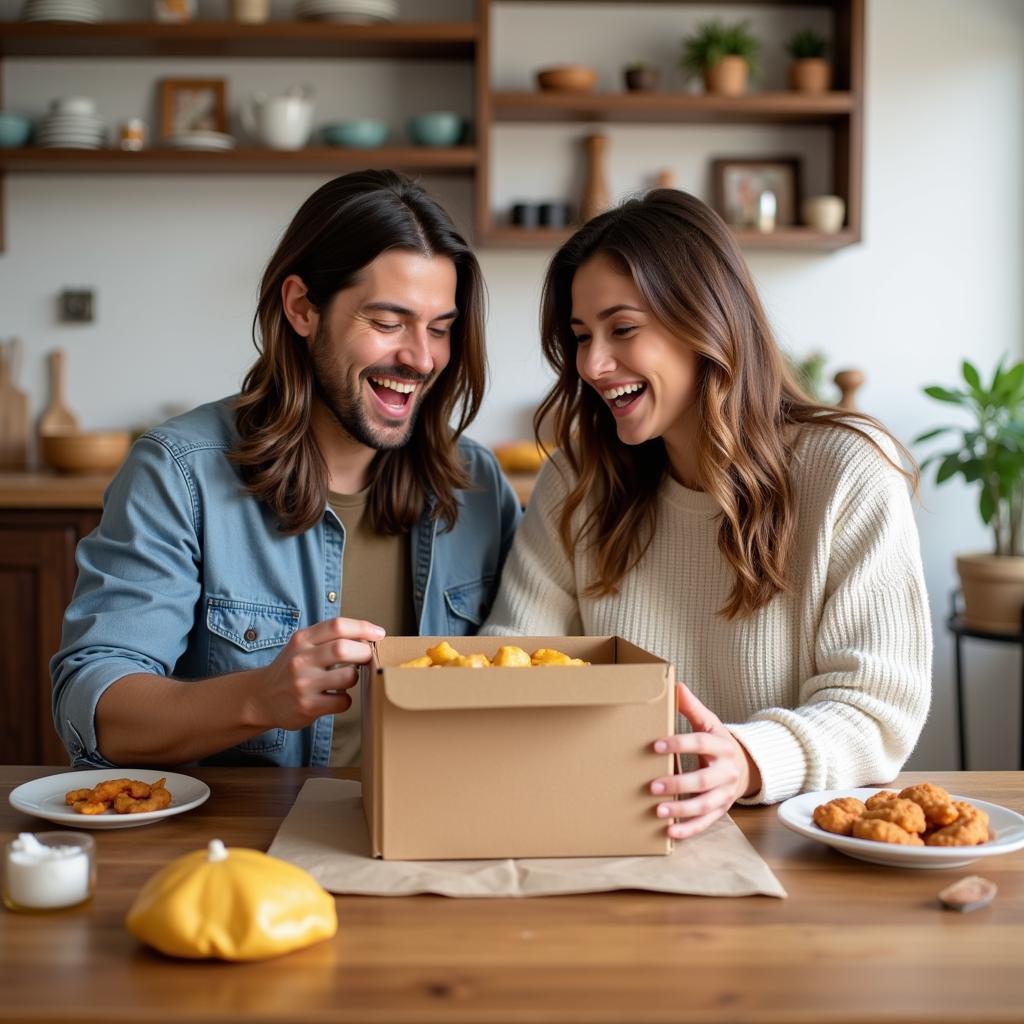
pixel 662 810
pixel 661 746
pixel 379 631
pixel 657 787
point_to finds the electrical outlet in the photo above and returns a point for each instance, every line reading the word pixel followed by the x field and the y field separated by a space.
pixel 77 307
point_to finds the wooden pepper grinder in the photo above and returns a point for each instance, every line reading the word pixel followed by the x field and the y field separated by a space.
pixel 848 381
pixel 596 194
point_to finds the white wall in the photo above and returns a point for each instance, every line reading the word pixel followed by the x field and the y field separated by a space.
pixel 176 259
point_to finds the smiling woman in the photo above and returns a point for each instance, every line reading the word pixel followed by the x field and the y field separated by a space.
pixel 704 508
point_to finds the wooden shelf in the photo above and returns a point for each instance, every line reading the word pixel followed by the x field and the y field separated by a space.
pixel 455 160
pixel 654 107
pixel 419 40
pixel 792 239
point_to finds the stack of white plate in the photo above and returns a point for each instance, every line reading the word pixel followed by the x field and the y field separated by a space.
pixel 355 12
pixel 200 140
pixel 62 10
pixel 70 131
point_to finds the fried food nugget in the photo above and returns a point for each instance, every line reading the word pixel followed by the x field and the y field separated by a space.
pixel 880 798
pixel 934 801
pixel 92 807
pixel 110 789
pixel 511 657
pixel 838 815
pixel 547 656
pixel 884 832
pixel 158 799
pixel 124 796
pixel 969 829
pixel 471 661
pixel 77 796
pixel 443 653
pixel 904 813
pixel 423 661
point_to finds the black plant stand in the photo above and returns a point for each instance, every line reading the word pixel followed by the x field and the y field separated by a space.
pixel 956 626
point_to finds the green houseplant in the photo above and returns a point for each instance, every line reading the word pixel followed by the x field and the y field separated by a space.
pixel 725 55
pixel 809 71
pixel 989 452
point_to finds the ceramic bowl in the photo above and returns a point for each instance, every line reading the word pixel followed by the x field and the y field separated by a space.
pixel 567 78
pixel 358 133
pixel 14 130
pixel 436 128
pixel 92 451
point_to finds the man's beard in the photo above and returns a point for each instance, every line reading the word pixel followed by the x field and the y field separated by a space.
pixel 344 399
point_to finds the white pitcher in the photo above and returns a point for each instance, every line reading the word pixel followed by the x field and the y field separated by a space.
pixel 280 122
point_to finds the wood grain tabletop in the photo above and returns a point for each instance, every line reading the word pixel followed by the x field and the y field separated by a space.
pixel 854 942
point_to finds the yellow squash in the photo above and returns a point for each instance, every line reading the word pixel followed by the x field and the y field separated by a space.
pixel 233 904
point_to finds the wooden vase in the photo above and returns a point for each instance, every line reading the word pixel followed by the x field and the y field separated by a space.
pixel 728 77
pixel 596 194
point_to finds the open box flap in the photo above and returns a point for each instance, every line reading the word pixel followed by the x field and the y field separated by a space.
pixel 418 689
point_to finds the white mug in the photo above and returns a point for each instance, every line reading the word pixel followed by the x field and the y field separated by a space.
pixel 280 122
pixel 824 213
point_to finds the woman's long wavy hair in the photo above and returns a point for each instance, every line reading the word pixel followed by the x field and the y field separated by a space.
pixel 340 229
pixel 688 268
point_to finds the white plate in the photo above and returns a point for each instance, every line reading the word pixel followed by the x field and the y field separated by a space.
pixel 44 798
pixel 1007 826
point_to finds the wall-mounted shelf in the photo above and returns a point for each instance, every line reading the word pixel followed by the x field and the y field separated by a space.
pixel 412 159
pixel 840 113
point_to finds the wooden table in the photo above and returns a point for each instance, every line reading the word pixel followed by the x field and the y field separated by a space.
pixel 853 942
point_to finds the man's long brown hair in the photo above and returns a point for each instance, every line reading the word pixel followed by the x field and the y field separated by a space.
pixel 342 227
pixel 688 267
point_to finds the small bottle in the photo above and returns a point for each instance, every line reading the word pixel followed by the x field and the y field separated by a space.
pixel 766 206
pixel 132 134
pixel 48 871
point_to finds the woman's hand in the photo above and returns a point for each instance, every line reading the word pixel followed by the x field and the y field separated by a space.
pixel 726 771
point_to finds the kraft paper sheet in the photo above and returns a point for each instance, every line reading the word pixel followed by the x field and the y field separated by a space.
pixel 325 833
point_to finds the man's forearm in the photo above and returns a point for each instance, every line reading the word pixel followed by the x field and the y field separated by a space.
pixel 147 719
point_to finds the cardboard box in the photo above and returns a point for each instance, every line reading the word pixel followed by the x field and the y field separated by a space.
pixel 462 763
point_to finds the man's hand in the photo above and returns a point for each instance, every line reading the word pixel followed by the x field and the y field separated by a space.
pixel 296 687
pixel 726 771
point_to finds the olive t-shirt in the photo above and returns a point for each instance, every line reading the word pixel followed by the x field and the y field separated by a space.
pixel 376 585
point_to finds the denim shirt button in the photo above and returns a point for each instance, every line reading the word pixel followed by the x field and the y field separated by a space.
pixel 250 634
pixel 332 597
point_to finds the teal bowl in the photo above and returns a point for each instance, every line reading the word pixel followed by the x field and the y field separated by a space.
pixel 358 133
pixel 437 128
pixel 14 131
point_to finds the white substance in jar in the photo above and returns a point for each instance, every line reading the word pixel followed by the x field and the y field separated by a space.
pixel 56 872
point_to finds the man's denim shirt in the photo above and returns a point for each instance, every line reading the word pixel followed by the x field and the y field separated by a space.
pixel 190 577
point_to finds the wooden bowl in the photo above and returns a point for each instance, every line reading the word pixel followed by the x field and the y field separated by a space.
pixel 91 451
pixel 567 78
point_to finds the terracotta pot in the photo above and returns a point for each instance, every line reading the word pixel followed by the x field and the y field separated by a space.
pixel 728 77
pixel 812 74
pixel 993 589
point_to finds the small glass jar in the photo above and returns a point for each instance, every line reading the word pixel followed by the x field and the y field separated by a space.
pixel 131 134
pixel 48 871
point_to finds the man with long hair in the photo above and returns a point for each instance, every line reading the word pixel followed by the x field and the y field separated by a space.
pixel 252 550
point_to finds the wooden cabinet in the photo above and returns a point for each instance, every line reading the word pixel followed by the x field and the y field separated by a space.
pixel 37 577
pixel 840 111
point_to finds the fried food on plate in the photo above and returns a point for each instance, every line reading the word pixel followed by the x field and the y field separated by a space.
pixel 884 832
pixel 123 796
pixel 838 815
pixel 880 798
pixel 904 813
pixel 934 801
pixel 970 829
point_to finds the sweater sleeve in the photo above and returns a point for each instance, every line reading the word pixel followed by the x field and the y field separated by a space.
pixel 537 596
pixel 859 715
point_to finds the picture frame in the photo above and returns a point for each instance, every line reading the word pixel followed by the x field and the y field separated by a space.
pixel 737 184
pixel 193 104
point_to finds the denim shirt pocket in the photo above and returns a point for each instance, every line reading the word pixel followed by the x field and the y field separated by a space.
pixel 247 635
pixel 467 605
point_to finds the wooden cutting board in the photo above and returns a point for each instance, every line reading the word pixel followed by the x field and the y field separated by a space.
pixel 57 418
pixel 14 418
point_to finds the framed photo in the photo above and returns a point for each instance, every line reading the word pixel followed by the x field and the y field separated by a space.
pixel 738 184
pixel 193 105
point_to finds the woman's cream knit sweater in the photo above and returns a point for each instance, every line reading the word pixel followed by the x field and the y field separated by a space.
pixel 828 686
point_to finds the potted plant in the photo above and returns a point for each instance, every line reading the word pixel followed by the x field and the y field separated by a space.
pixel 640 76
pixel 990 453
pixel 809 72
pixel 724 54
